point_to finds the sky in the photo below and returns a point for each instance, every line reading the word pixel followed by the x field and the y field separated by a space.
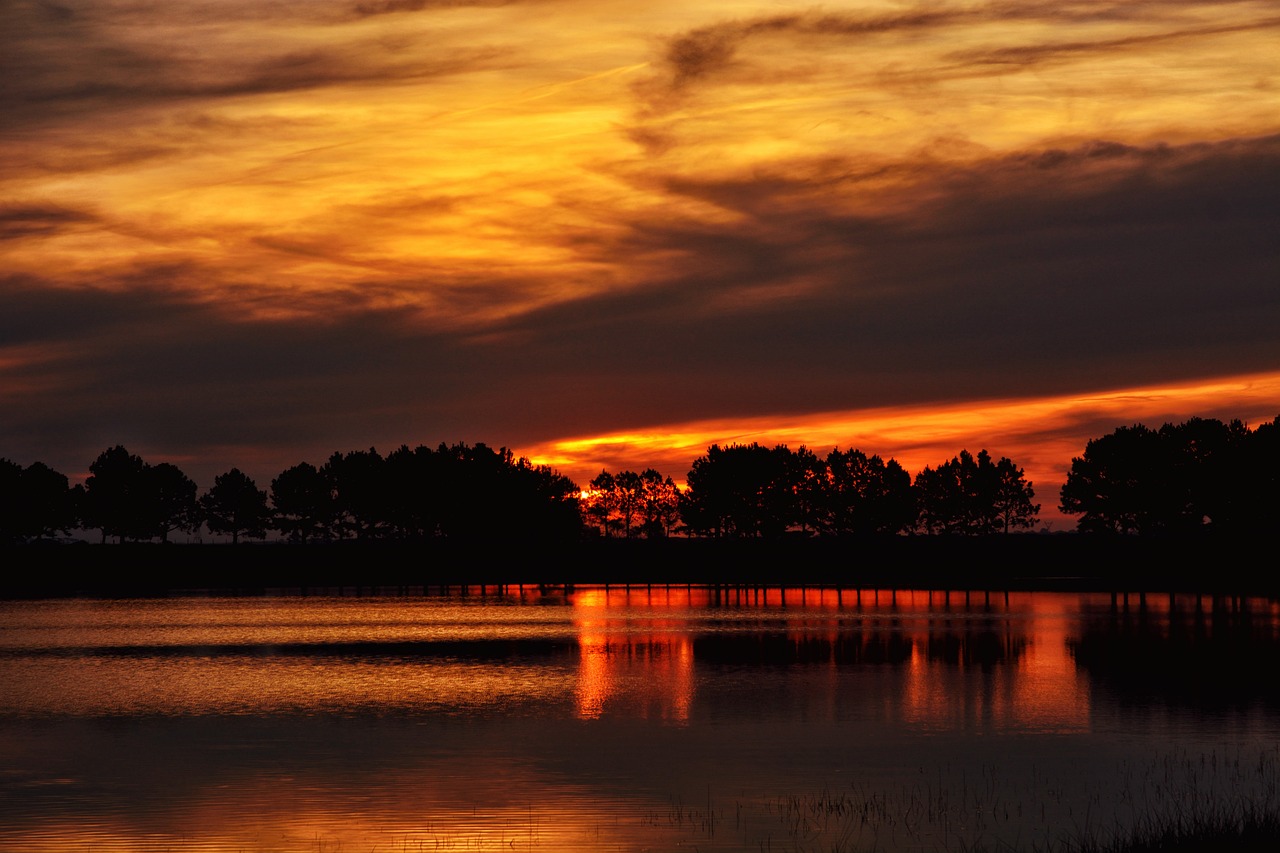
pixel 608 234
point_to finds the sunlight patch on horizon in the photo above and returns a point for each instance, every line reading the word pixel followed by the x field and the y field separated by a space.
pixel 1041 435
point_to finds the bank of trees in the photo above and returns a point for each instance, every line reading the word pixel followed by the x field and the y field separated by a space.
pixel 460 491
pixel 1200 475
pixel 756 491
pixel 1196 476
pixel 975 495
pixel 455 491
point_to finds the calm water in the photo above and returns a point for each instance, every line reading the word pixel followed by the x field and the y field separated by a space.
pixel 655 720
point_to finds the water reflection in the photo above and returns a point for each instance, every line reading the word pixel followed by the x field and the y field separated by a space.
pixel 1191 651
pixel 649 659
pixel 965 660
pixel 643 718
pixel 1022 660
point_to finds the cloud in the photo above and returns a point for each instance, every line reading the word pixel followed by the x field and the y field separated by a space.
pixel 748 51
pixel 1022 56
pixel 702 52
pixel 391 7
pixel 19 222
pixel 156 369
pixel 1025 274
pixel 1040 274
pixel 62 62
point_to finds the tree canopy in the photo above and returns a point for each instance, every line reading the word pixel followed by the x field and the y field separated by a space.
pixel 1200 475
pixel 868 495
pixel 34 502
pixel 237 506
pixel 755 491
pixel 631 503
pixel 973 495
pixel 127 498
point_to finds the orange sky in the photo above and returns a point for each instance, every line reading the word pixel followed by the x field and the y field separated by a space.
pixel 235 233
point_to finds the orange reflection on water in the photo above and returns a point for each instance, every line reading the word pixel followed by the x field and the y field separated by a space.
pixel 415 809
pixel 651 657
pixel 996 661
pixel 1049 691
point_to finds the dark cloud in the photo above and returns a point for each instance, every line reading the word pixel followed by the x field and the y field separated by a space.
pixel 703 53
pixel 706 50
pixel 1035 54
pixel 390 7
pixel 67 61
pixel 1027 275
pixel 157 368
pixel 17 222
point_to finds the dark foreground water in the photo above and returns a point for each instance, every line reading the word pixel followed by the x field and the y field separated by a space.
pixel 663 720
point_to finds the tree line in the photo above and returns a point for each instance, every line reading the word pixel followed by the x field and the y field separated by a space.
pixel 473 492
pixel 457 491
pixel 753 491
pixel 1199 475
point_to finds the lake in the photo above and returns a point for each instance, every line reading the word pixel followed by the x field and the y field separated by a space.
pixel 640 719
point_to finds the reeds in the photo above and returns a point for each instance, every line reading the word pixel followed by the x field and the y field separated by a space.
pixel 1180 802
pixel 1244 829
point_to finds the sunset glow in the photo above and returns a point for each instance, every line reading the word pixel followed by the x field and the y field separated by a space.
pixel 1042 435
pixel 605 236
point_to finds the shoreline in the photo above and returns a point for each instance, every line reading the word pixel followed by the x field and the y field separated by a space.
pixel 1018 562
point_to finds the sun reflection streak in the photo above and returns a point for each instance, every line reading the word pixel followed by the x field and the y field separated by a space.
pixel 651 659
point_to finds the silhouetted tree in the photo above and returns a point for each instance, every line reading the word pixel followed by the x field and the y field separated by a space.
pixel 1210 472
pixel 810 482
pixel 1011 496
pixel 974 496
pixel 490 494
pixel 34 502
pixel 361 492
pixel 547 502
pixel 635 503
pixel 710 505
pixel 1186 478
pixel 600 503
pixel 115 496
pixel 237 506
pixel 629 490
pixel 129 499
pixel 740 490
pixel 1260 494
pixel 414 499
pixel 170 500
pixel 1113 487
pixel 868 495
pixel 475 480
pixel 661 508
pixel 303 500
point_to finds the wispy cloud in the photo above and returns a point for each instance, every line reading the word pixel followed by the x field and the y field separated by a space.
pixel 38 220
pixel 63 61
pixel 1025 55
pixel 369 8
